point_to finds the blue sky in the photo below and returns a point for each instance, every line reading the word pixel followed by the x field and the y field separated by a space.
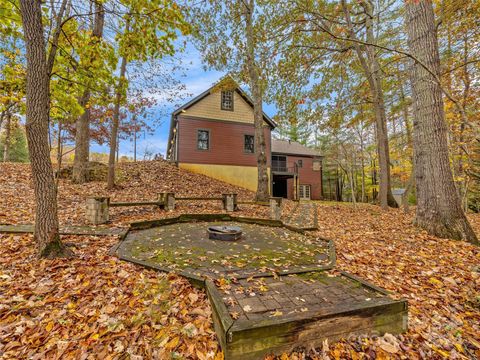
pixel 196 81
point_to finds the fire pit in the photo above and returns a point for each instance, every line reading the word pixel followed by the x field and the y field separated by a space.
pixel 224 233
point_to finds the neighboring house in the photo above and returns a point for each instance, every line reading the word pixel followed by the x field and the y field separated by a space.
pixel 213 134
pixel 398 195
pixel 297 171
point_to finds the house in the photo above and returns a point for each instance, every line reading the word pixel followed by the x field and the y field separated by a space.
pixel 398 195
pixel 296 170
pixel 213 134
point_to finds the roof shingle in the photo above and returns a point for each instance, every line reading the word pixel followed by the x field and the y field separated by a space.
pixel 292 147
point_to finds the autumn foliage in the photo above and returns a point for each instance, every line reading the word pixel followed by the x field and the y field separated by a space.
pixel 96 305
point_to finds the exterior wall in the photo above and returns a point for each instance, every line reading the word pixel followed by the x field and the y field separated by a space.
pixel 209 107
pixel 225 159
pixel 306 176
pixel 226 142
pixel 243 176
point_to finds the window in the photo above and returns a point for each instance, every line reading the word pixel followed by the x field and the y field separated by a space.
pixel 304 192
pixel 203 139
pixel 227 100
pixel 249 144
pixel 279 163
pixel 300 163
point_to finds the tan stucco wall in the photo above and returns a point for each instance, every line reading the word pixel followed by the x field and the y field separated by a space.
pixel 243 176
pixel 210 108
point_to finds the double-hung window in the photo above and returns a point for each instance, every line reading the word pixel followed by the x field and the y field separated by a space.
pixel 249 144
pixel 203 139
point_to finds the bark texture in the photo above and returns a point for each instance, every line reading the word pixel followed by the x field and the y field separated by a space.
pixel 439 209
pixel 46 233
pixel 257 97
pixel 8 137
pixel 115 123
pixel 82 125
pixel 373 72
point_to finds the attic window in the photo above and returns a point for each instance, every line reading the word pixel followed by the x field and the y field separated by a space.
pixel 227 100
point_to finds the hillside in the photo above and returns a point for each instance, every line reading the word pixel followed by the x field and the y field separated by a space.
pixel 95 306
pixel 136 181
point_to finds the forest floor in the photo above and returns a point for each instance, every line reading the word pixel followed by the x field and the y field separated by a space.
pixel 95 306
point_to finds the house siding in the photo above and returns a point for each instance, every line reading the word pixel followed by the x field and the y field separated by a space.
pixel 306 176
pixel 226 142
pixel 209 108
pixel 225 159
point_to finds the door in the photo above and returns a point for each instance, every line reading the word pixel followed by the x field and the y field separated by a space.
pixel 279 187
pixel 304 192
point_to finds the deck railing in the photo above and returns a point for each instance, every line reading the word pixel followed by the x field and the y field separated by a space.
pixel 282 167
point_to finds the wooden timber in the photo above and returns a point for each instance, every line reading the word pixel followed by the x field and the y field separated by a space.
pixel 344 313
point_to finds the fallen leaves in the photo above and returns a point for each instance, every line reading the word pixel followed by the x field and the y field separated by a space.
pixel 96 305
pixel 436 276
pixel 140 181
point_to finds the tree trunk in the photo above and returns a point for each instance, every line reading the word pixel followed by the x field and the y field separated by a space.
pixel 46 233
pixel 82 126
pixel 373 73
pixel 439 209
pixel 8 137
pixel 135 138
pixel 115 123
pixel 257 96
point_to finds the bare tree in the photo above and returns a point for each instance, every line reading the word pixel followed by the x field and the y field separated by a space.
pixel 368 57
pixel 115 123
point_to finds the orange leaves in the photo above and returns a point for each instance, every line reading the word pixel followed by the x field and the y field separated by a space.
pixel 103 306
pixel 436 276
pixel 111 309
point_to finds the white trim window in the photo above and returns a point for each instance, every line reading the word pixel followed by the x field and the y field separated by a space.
pixel 203 139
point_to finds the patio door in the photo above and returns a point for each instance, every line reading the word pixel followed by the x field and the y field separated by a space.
pixel 304 192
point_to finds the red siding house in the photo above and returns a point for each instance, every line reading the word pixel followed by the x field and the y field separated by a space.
pixel 213 134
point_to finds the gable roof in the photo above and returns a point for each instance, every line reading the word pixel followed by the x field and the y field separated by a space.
pixel 204 94
pixel 238 89
pixel 292 147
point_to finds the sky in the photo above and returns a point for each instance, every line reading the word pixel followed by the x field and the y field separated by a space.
pixel 196 81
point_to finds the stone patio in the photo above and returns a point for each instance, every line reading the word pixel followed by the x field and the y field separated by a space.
pixel 261 251
pixel 273 290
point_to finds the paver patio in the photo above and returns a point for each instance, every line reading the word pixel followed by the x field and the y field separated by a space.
pixel 261 250
pixel 273 290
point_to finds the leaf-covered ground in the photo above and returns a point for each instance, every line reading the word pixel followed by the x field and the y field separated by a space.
pixel 136 182
pixel 97 307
